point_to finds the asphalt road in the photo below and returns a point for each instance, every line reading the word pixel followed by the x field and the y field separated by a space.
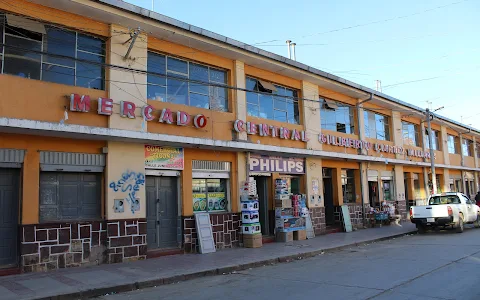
pixel 443 265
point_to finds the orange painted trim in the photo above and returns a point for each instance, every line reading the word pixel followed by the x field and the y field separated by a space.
pixel 251 71
pixel 31 167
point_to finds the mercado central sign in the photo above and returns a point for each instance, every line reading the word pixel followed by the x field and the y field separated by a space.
pixel 300 135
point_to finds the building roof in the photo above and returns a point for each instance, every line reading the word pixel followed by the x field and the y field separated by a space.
pixel 145 13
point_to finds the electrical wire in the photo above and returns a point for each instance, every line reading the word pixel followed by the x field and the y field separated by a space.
pixel 368 23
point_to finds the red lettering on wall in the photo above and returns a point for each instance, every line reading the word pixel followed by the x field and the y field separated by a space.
pixel 127 109
pixel 105 106
pixel 147 112
pixel 79 103
pixel 182 118
pixel 166 116
pixel 200 121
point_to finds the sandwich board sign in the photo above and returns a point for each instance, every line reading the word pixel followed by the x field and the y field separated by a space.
pixel 347 223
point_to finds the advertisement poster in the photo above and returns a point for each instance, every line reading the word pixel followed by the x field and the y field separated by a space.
pixel 199 202
pixel 157 157
pixel 315 186
pixel 217 201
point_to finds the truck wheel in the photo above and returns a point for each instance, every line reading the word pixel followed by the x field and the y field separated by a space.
pixel 460 224
pixel 421 229
pixel 477 222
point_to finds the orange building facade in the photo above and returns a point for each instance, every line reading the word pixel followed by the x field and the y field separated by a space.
pixel 111 139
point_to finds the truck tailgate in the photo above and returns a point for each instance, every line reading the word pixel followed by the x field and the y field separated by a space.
pixel 429 211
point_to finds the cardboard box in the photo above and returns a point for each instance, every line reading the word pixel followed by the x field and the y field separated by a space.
pixel 300 235
pixel 284 237
pixel 252 240
pixel 287 203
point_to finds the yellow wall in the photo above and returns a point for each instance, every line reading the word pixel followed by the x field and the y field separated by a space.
pixel 43 101
pixel 31 167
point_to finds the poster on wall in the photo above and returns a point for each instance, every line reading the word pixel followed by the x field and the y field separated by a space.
pixel 199 202
pixel 157 157
pixel 217 201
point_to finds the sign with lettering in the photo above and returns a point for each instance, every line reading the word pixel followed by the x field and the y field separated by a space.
pixel 359 144
pixel 82 103
pixel 275 164
pixel 269 130
pixel 157 157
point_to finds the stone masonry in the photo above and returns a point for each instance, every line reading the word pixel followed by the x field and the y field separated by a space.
pixel 318 220
pixel 356 215
pixel 127 240
pixel 225 227
pixel 52 246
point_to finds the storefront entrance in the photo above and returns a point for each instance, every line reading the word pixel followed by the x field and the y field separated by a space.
pixel 262 191
pixel 328 197
pixel 9 199
pixel 373 193
pixel 163 224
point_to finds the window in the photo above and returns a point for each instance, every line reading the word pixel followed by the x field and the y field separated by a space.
pixel 181 82
pixel 51 54
pixel 466 147
pixel 68 196
pixel 478 150
pixel 435 140
pixel 348 186
pixel 410 134
pixel 337 118
pixel 210 195
pixel 377 126
pixel 453 144
pixel 272 102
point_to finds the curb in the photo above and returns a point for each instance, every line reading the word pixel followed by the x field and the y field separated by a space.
pixel 122 288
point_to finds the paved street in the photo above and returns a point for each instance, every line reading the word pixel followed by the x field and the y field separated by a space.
pixel 443 265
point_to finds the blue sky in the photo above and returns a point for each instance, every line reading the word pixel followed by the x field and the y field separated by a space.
pixel 433 42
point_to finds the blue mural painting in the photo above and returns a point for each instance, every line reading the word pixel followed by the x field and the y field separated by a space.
pixel 130 183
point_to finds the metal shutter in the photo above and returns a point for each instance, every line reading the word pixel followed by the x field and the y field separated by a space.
pixel 71 162
pixel 68 196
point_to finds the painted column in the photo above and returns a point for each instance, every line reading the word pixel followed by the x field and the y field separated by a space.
pixel 240 103
pixel 315 196
pixel 311 114
pixel 125 200
pixel 444 146
pixel 363 166
pixel 397 132
pixel 400 190
pixel 475 158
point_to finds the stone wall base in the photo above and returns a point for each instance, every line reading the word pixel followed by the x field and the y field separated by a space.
pixel 127 240
pixel 225 227
pixel 317 215
pixel 62 245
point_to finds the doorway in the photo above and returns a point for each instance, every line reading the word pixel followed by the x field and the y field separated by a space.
pixel 9 199
pixel 373 194
pixel 262 191
pixel 163 222
pixel 328 197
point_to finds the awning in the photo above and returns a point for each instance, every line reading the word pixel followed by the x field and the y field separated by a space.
pixel 26 24
pixel 330 104
pixel 267 85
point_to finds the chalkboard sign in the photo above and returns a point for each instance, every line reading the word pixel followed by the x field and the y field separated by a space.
pixel 347 223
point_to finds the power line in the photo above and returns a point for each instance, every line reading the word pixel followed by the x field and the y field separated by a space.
pixel 368 23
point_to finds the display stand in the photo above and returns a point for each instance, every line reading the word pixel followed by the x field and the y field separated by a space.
pixel 251 229
pixel 290 212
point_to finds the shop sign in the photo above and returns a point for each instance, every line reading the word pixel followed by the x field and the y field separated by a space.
pixel 276 164
pixel 157 157
pixel 359 144
pixel 269 130
pixel 82 103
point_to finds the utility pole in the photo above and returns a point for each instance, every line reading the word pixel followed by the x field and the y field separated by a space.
pixel 432 153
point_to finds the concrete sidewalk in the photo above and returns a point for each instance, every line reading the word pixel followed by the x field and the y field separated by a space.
pixel 80 283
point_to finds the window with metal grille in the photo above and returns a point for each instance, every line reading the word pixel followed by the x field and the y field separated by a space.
pixel 67 196
pixel 46 52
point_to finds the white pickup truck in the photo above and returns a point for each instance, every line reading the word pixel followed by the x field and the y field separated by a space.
pixel 446 210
